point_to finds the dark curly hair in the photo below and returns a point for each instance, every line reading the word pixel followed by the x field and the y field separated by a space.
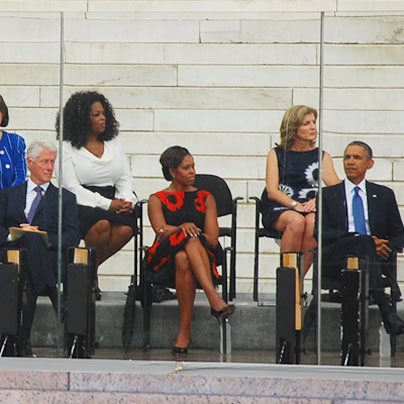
pixel 4 111
pixel 172 158
pixel 76 118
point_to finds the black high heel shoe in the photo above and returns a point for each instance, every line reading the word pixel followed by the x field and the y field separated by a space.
pixel 177 350
pixel 98 294
pixel 227 311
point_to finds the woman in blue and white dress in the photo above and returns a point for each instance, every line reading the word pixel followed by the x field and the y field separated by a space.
pixel 13 167
pixel 289 199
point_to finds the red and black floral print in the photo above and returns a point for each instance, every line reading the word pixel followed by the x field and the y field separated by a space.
pixel 178 208
pixel 200 201
pixel 172 200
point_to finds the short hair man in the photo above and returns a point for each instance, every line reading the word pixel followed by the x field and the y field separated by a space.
pixel 361 218
pixel 34 206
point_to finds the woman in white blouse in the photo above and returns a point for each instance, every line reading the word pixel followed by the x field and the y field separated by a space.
pixel 97 171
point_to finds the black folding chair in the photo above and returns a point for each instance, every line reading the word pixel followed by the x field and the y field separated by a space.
pixel 133 290
pixel 225 205
pixel 260 232
pixel 79 303
pixel 12 297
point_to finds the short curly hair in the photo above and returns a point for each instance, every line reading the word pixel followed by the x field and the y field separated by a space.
pixel 76 118
pixel 172 158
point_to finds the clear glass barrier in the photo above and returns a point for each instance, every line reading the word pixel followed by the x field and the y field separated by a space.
pixel 218 85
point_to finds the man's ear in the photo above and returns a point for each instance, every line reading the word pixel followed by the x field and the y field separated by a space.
pixel 29 162
pixel 371 163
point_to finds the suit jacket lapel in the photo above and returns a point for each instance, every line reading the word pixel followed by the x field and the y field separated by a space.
pixel 373 200
pixel 342 208
pixel 21 198
pixel 48 194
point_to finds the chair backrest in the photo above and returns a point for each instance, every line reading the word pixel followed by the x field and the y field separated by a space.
pixel 219 189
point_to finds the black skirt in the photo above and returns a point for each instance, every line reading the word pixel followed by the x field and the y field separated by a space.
pixel 89 216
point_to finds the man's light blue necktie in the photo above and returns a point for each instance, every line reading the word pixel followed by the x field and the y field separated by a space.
pixel 358 213
pixel 35 203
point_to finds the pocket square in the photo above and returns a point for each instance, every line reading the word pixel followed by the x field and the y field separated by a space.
pixel 374 196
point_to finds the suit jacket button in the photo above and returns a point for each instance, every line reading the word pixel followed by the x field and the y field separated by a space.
pixel 7 165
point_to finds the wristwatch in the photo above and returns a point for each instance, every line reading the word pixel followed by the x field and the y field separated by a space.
pixel 293 204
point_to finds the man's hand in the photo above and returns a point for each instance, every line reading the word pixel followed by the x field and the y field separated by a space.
pixel 27 226
pixel 382 248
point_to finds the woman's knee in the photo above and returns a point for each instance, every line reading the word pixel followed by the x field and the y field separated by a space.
pixel 98 234
pixel 182 264
pixel 123 232
pixel 296 223
pixel 194 243
pixel 310 222
pixel 102 226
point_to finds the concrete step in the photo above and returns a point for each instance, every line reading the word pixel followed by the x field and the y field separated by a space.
pixel 252 326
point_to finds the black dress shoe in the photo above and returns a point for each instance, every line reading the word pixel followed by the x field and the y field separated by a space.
pixel 98 294
pixel 26 349
pixel 393 324
pixel 223 313
pixel 177 350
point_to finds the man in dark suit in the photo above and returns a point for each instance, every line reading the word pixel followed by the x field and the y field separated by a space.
pixel 373 229
pixel 34 206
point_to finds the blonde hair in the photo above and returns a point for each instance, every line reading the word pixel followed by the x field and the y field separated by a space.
pixel 291 122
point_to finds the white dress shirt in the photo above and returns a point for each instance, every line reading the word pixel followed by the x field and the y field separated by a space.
pixel 31 194
pixel 349 193
pixel 81 167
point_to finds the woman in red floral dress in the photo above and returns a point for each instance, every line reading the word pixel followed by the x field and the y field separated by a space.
pixel 186 249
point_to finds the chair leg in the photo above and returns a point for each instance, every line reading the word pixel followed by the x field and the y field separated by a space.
pixel 256 263
pixel 232 292
pixel 146 304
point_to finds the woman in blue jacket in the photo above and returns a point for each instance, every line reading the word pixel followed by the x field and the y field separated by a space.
pixel 13 167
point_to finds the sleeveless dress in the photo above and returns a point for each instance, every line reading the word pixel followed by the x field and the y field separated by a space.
pixel 298 178
pixel 179 208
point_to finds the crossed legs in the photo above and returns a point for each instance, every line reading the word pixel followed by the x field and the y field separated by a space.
pixel 192 266
pixel 297 235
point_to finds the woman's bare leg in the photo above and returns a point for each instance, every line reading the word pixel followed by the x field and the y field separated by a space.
pixel 186 287
pixel 309 241
pixel 107 238
pixel 97 237
pixel 200 266
pixel 119 236
pixel 292 225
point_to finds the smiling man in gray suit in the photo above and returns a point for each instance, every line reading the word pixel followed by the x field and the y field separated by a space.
pixel 361 218
pixel 34 206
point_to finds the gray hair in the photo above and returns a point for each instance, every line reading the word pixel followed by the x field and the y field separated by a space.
pixel 36 147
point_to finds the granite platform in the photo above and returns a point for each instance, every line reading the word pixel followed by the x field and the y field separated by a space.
pixel 148 382
pixel 252 326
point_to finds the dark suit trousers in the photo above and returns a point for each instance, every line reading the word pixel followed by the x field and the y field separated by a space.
pixel 40 276
pixel 29 309
pixel 334 259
